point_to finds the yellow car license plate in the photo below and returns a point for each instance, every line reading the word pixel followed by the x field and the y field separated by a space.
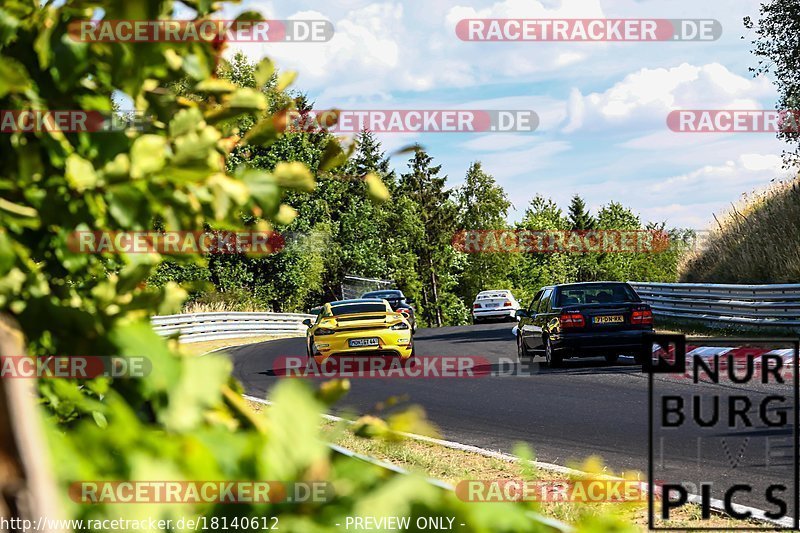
pixel 360 343
pixel 608 319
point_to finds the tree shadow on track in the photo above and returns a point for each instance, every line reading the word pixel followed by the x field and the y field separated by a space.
pixel 474 334
pixel 537 366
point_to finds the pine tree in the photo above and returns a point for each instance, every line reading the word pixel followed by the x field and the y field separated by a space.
pixel 369 157
pixel 426 189
pixel 579 216
pixel 364 225
pixel 586 265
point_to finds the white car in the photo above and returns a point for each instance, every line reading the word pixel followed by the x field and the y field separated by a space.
pixel 494 305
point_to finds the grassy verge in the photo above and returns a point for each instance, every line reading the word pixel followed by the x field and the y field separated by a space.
pixel 452 466
pixel 699 328
pixel 199 348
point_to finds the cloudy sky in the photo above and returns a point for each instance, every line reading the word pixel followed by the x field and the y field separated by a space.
pixel 602 106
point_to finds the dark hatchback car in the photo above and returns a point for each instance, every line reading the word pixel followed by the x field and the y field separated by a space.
pixel 398 302
pixel 584 320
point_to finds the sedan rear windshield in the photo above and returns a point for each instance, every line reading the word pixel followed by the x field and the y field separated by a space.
pixel 349 309
pixel 391 295
pixel 601 293
pixel 492 295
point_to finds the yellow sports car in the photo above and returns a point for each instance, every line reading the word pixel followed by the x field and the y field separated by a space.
pixel 355 327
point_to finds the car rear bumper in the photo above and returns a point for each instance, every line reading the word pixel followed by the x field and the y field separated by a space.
pixel 494 312
pixel 597 343
pixel 403 354
pixel 390 342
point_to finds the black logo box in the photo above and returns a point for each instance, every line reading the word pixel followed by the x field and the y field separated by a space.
pixel 674 346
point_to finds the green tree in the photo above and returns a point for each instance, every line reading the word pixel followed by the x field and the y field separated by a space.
pixel 364 225
pixel 614 215
pixel 369 156
pixel 537 269
pixel 586 264
pixel 579 216
pixel 293 279
pixel 482 205
pixel 617 266
pixel 778 51
pixel 436 210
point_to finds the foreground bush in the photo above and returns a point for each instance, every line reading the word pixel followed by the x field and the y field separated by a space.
pixel 186 419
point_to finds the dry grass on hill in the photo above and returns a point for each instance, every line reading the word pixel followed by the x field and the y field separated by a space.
pixel 756 241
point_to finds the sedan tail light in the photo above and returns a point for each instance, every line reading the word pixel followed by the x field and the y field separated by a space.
pixel 571 320
pixel 507 304
pixel 476 306
pixel 404 311
pixel 642 316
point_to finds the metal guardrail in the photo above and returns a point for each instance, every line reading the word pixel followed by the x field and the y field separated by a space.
pixel 724 304
pixel 196 327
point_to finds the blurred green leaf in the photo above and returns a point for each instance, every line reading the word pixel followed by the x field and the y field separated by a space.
pixel 80 173
pixel 294 175
pixel 376 188
pixel 148 155
pixel 263 72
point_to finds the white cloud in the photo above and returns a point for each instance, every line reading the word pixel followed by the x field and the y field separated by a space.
pixel 515 162
pixel 365 49
pixel 761 162
pixel 392 46
pixel 747 171
pixel 683 200
pixel 648 95
pixel 499 141
pixel 528 9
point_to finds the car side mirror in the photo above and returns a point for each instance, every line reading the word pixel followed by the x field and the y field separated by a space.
pixel 307 322
pixel 521 313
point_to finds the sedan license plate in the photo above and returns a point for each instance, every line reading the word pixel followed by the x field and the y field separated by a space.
pixel 360 343
pixel 608 319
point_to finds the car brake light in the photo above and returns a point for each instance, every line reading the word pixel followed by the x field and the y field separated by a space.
pixel 571 320
pixel 476 306
pixel 642 316
pixel 507 304
pixel 404 311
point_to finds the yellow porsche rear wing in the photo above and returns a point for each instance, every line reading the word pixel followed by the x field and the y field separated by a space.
pixel 360 320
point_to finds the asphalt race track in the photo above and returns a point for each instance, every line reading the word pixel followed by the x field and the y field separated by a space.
pixel 588 407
